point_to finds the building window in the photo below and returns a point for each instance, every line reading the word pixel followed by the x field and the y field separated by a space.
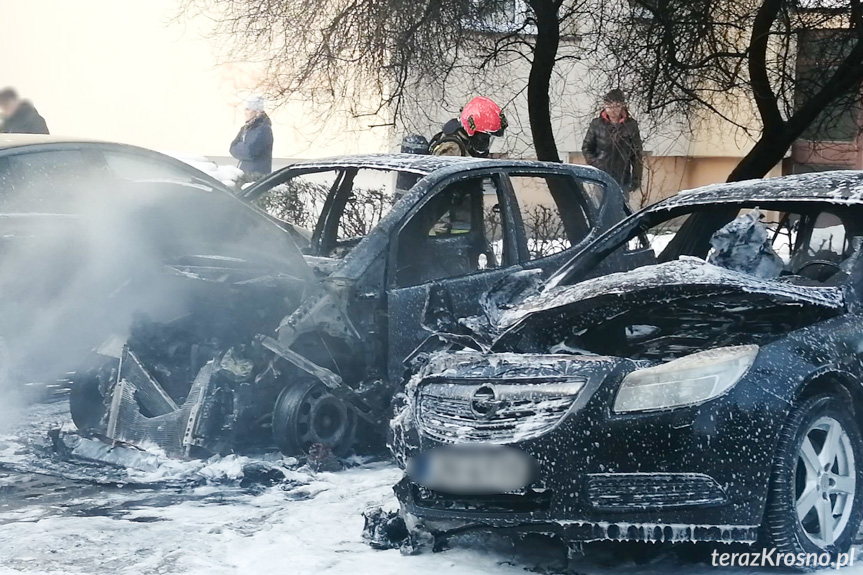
pixel 819 54
pixel 501 17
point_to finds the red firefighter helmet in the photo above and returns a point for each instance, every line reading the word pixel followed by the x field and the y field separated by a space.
pixel 483 115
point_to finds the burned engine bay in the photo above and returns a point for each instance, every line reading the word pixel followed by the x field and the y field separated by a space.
pixel 742 293
pixel 199 366
pixel 221 317
pixel 207 382
pixel 655 318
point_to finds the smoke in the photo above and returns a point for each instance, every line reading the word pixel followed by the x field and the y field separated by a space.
pixel 77 264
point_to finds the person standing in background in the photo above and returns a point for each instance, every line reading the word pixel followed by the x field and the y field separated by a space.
pixel 613 143
pixel 19 116
pixel 253 145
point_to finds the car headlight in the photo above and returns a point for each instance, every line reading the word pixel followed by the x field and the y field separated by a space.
pixel 685 381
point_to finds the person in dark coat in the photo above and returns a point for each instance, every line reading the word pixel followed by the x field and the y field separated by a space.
pixel 19 116
pixel 253 145
pixel 613 143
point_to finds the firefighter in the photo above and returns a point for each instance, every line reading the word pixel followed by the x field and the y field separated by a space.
pixel 471 133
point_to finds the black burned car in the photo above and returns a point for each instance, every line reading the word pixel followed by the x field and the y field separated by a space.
pixel 388 242
pixel 714 395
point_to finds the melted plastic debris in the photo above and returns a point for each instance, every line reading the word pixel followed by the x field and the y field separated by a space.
pixel 743 245
pixel 98 451
pixel 151 465
pixel 385 529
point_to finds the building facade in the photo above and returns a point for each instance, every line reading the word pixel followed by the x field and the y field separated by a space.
pixel 134 72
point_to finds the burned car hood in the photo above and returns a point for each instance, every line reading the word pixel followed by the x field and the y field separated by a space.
pixel 663 311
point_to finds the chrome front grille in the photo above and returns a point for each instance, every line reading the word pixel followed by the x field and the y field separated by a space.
pixel 494 412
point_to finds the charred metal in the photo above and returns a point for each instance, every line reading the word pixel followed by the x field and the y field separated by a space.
pixel 311 358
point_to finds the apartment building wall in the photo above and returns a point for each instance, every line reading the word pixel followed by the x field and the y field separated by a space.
pixel 126 71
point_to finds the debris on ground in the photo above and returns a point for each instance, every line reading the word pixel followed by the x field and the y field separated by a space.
pixel 322 458
pixel 145 466
pixel 385 529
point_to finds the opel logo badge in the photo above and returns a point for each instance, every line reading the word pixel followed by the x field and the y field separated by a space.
pixel 484 403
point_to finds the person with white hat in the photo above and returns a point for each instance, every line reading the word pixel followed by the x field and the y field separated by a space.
pixel 253 145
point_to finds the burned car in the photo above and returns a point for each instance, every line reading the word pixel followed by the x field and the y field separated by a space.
pixel 713 395
pixel 386 241
pixel 93 232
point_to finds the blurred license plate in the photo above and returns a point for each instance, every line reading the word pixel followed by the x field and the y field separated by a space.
pixel 473 470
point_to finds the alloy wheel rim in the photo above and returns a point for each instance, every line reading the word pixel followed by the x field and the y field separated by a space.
pixel 825 481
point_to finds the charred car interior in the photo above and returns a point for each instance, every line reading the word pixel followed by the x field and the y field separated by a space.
pixel 261 360
pixel 805 246
pixel 712 395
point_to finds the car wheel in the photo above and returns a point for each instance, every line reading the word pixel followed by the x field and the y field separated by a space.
pixel 814 502
pixel 306 414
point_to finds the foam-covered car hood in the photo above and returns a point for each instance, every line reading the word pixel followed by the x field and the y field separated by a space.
pixel 672 276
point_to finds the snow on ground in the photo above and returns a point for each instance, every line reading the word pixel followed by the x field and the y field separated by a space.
pixel 58 517
pixel 312 525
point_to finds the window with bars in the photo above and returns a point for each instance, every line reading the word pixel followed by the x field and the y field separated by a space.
pixel 501 16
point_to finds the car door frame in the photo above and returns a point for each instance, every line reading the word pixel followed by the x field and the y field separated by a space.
pixel 596 216
pixel 415 298
pixel 592 214
pixel 250 195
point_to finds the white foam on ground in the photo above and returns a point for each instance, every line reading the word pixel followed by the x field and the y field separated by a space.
pixel 311 526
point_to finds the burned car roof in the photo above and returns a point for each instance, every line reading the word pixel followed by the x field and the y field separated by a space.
pixel 836 186
pixel 423 164
pixel 413 163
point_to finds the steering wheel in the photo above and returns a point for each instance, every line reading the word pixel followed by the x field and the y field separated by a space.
pixel 819 275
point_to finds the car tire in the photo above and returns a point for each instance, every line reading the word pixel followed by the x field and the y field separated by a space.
pixel 306 414
pixel 815 498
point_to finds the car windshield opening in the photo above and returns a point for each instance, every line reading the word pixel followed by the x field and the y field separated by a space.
pixel 719 275
pixel 333 209
pixel 800 243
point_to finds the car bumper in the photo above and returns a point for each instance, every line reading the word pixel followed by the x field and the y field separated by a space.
pixel 436 515
pixel 693 474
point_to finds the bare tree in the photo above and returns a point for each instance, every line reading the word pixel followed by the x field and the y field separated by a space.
pixel 297 202
pixel 777 69
pixel 371 54
pixel 791 67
